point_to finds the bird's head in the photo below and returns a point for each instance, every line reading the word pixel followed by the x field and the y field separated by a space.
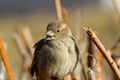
pixel 57 30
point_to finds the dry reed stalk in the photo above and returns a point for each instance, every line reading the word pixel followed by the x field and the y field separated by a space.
pixel 116 57
pixel 99 45
pixel 4 57
pixel 24 53
pixel 65 14
pixel 91 74
pixel 91 65
pixel 116 46
pixel 28 39
pixel 115 50
pixel 58 10
pixel 2 71
pixel 91 54
pixel 25 34
pixel 98 64
pixel 84 67
pixel 116 4
pixel 21 46
pixel 25 42
pixel 26 57
pixel 99 73
pixel 68 77
pixel 91 61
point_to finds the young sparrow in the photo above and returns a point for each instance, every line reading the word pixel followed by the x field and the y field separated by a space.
pixel 56 55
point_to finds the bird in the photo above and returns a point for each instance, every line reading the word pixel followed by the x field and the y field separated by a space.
pixel 56 55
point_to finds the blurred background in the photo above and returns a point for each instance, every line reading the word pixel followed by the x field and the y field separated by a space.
pixel 103 16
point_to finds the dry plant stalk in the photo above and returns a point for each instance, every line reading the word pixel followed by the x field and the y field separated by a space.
pixel 99 45
pixel 91 55
pixel 99 72
pixel 25 34
pixel 91 74
pixel 58 10
pixel 4 57
pixel 91 61
pixel 21 46
pixel 24 52
pixel 84 68
pixel 25 42
pixel 115 50
pixel 116 46
pixel 2 71
pixel 25 56
pixel 65 14
pixel 116 4
pixel 28 39
pixel 68 77
pixel 98 64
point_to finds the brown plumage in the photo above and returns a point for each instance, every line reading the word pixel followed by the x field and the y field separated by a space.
pixel 56 55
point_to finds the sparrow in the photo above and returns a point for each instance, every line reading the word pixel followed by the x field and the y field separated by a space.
pixel 56 55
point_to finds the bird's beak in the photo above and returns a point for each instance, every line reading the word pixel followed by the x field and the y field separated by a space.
pixel 50 33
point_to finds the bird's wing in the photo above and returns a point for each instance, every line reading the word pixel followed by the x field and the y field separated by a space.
pixel 76 50
pixel 39 44
pixel 76 46
pixel 33 65
pixel 37 47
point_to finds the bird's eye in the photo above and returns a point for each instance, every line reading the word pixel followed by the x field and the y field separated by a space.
pixel 58 30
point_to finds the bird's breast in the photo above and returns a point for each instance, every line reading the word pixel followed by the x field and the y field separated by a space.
pixel 58 50
pixel 55 58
